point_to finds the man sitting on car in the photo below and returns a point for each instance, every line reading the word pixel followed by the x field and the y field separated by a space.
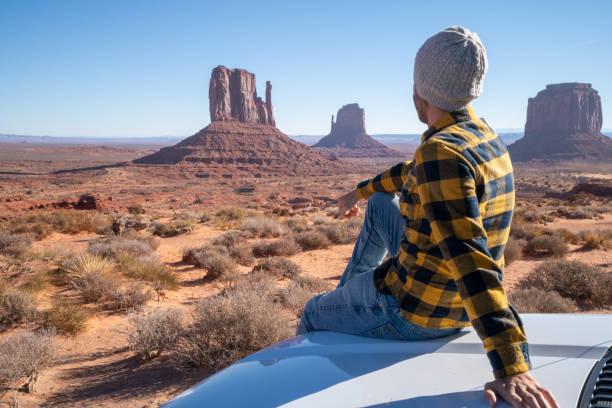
pixel 446 232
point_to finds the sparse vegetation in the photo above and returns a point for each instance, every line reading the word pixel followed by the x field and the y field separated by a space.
pixel 262 227
pixel 133 244
pixel 229 326
pixel 129 296
pixel 171 228
pixel 14 245
pixel 24 356
pixel 66 318
pixel 572 279
pixel 547 245
pixel 299 291
pixel 16 306
pixel 280 247
pixel 341 232
pixel 65 221
pixel 147 268
pixel 242 255
pixel 154 331
pixel 312 240
pixel 278 266
pixel 231 239
pixel 596 239
pixel 90 275
pixel 535 300
pixel 215 260
pixel 514 250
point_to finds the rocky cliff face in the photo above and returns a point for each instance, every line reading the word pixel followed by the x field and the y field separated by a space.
pixel 233 97
pixel 242 138
pixel 563 122
pixel 348 136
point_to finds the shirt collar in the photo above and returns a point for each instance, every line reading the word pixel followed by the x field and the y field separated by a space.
pixel 450 118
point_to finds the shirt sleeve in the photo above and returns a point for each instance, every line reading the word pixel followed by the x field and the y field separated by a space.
pixel 389 181
pixel 446 184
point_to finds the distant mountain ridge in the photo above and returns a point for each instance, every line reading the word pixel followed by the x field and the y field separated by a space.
pixel 94 141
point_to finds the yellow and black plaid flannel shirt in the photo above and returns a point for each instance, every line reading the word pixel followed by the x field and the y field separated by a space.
pixel 457 200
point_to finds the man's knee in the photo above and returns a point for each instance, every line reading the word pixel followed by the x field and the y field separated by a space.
pixel 305 326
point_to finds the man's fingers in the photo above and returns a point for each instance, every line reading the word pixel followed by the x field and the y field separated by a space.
pixel 549 397
pixel 490 397
pixel 527 394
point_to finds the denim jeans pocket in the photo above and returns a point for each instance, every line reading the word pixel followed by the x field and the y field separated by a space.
pixel 386 331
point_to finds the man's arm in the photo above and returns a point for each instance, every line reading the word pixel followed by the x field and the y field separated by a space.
pixel 447 189
pixel 389 181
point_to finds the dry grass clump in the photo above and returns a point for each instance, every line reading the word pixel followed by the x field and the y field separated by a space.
pixel 262 227
pixel 278 266
pixel 341 232
pixel 231 239
pixel 90 275
pixel 153 331
pixel 66 221
pixel 216 261
pixel 296 222
pixel 229 217
pixel 242 255
pixel 312 240
pixel 147 268
pixel 568 236
pixel 319 219
pixel 230 326
pixel 534 300
pixel 596 239
pixel 300 290
pixel 514 250
pixel 129 296
pixel 36 284
pixel 580 214
pixel 531 215
pixel 133 244
pixel 280 247
pixel 572 279
pixel 16 306
pixel 171 228
pixel 547 245
pixel 14 245
pixel 66 318
pixel 25 356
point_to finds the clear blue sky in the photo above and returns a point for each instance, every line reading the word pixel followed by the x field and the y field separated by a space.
pixel 141 68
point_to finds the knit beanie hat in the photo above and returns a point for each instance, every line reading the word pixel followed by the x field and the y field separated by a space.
pixel 450 67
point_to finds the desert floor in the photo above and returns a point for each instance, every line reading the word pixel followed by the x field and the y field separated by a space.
pixel 96 367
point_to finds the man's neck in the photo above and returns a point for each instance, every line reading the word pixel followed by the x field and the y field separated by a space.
pixel 433 114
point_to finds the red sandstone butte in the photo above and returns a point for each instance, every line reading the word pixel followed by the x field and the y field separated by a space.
pixel 348 137
pixel 243 135
pixel 563 122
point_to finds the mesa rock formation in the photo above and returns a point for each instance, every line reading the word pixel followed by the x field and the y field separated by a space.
pixel 563 122
pixel 242 135
pixel 348 137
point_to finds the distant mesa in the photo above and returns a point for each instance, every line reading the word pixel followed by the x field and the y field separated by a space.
pixel 563 122
pixel 348 137
pixel 242 135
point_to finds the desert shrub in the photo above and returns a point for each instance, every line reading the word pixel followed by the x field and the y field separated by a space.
pixel 531 215
pixel 147 268
pixel 215 259
pixel 514 250
pixel 300 290
pixel 128 243
pixel 262 227
pixel 278 266
pixel 231 213
pixel 282 211
pixel 295 222
pixel 319 219
pixel 66 318
pixel 130 296
pixel 128 223
pixel 14 245
pixel 230 326
pixel 535 300
pixel 572 279
pixel 171 228
pixel 596 239
pixel 16 306
pixel 580 214
pixel 280 247
pixel 90 275
pixel 65 221
pixel 242 255
pixel 36 284
pixel 312 240
pixel 341 232
pixel 136 209
pixel 568 236
pixel 231 239
pixel 25 356
pixel 153 331
pixel 547 245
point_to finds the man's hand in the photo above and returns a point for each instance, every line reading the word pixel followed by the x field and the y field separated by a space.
pixel 347 205
pixel 520 390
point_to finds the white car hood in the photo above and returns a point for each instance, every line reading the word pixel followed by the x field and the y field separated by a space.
pixel 328 369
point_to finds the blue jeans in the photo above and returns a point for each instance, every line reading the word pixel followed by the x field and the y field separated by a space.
pixel 356 306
